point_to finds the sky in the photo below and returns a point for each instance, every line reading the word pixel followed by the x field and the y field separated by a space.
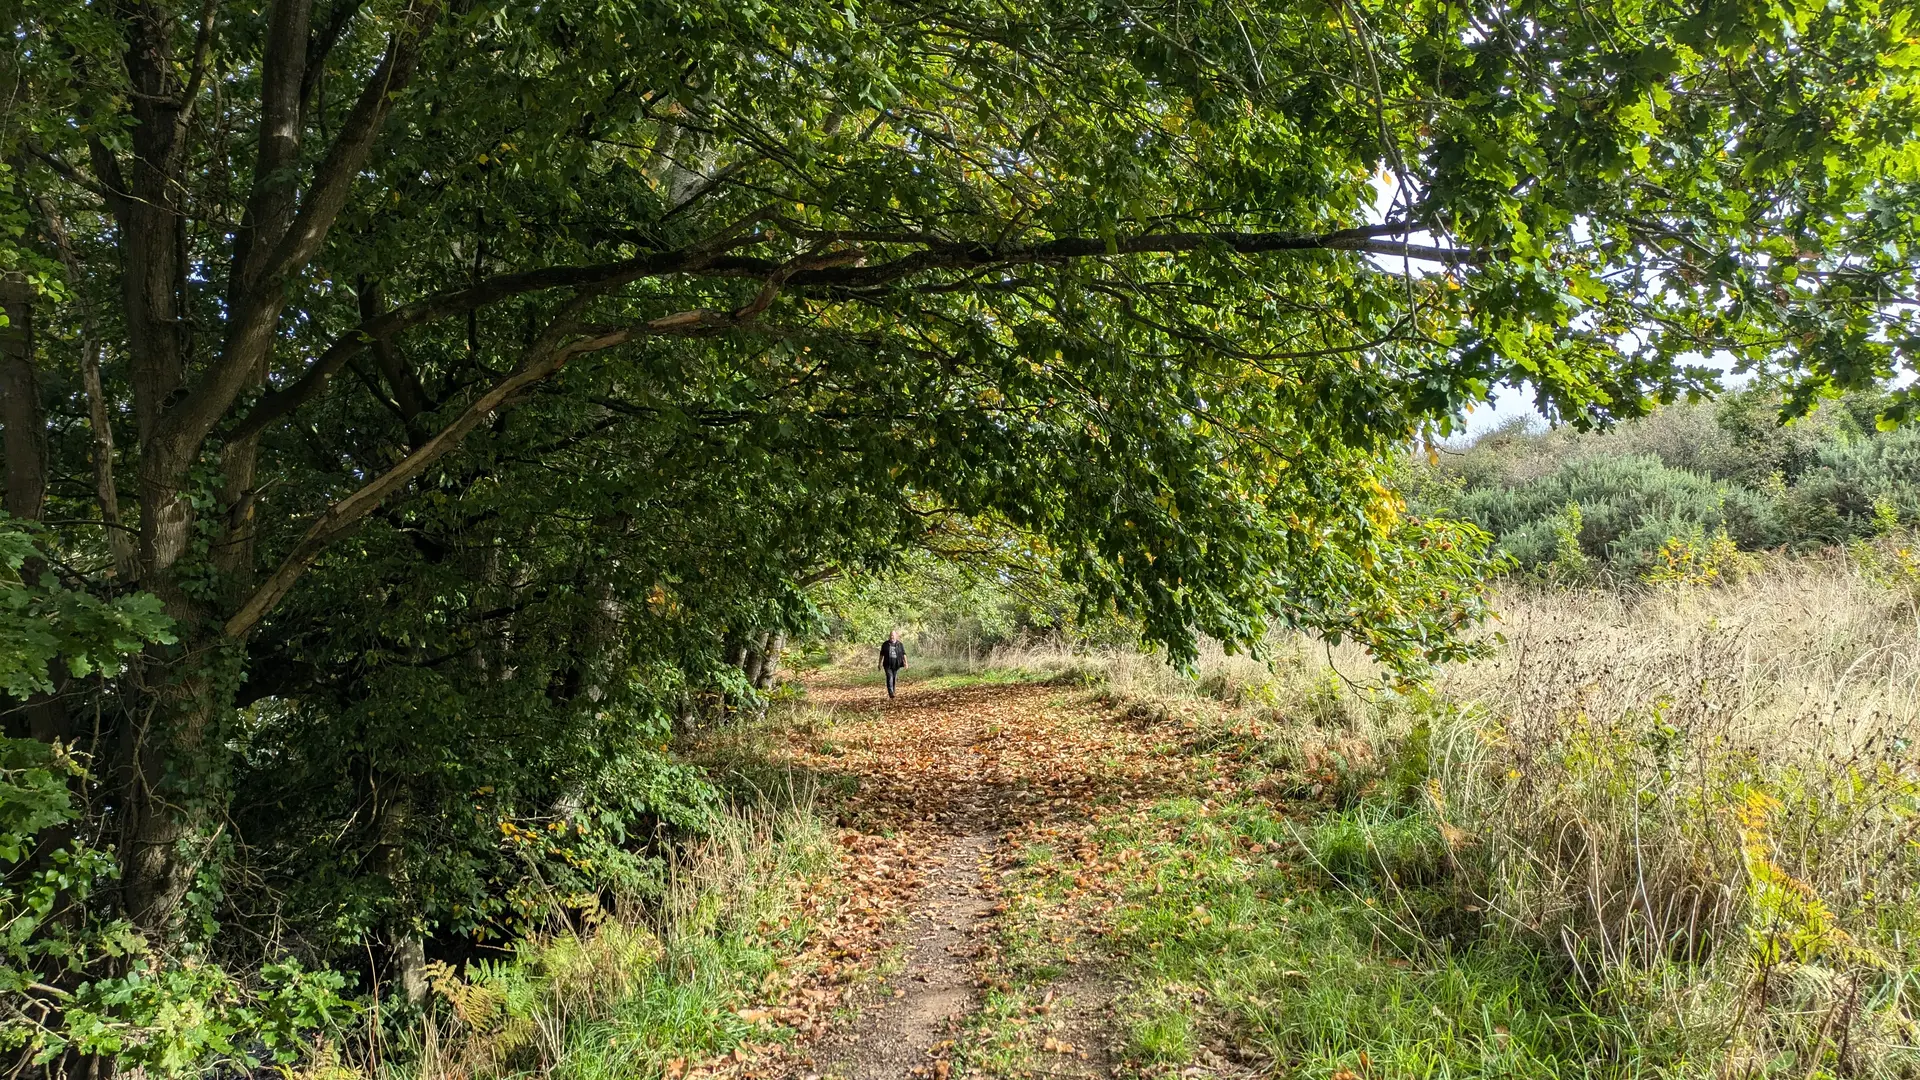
pixel 1507 404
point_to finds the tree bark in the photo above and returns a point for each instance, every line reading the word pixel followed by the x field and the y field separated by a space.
pixel 172 778
pixel 119 540
pixel 158 759
pixel 24 440
pixel 171 763
pixel 410 967
pixel 775 643
pixel 754 658
pixel 409 951
pixel 269 215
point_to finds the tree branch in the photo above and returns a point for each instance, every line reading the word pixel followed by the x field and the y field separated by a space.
pixel 270 206
pixel 203 40
pixel 281 402
pixel 781 276
pixel 408 395
pixel 70 174
pixel 540 360
pixel 256 308
pixel 334 179
pixel 838 273
pixel 119 542
pixel 948 256
pixel 323 42
pixel 543 359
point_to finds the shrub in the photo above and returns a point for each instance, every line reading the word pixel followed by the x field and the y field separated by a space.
pixel 1841 495
pixel 1621 510
pixel 1684 471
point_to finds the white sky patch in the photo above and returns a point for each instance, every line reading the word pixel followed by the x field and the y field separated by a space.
pixel 1508 402
pixel 1386 188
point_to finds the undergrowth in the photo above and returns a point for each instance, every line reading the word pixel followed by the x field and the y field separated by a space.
pixel 636 994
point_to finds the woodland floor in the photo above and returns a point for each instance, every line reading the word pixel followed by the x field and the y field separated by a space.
pixel 953 951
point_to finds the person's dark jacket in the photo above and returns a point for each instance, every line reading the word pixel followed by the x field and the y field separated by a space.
pixel 893 654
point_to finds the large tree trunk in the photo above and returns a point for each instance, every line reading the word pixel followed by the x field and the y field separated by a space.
pixel 775 643
pixel 161 758
pixel 409 951
pixel 170 763
pixel 172 778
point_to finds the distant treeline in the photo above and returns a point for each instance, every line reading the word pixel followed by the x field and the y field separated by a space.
pixel 1619 503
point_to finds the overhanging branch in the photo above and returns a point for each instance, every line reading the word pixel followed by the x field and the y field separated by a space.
pixel 541 360
pixel 837 273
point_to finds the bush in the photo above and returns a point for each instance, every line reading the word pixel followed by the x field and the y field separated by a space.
pixel 1573 507
pixel 1622 510
pixel 1854 487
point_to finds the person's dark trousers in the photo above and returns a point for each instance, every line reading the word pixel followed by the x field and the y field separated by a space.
pixel 892 673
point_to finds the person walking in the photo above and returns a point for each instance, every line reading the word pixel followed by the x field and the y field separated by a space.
pixel 893 657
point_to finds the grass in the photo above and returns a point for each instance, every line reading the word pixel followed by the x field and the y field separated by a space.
pixel 1666 834
pixel 1001 667
pixel 638 997
pixel 1313 980
pixel 1241 955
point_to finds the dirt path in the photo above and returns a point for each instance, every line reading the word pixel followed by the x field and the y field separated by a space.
pixel 952 777
pixel 914 1031
pixel 923 767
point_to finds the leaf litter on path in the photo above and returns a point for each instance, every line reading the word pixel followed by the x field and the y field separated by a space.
pixel 932 789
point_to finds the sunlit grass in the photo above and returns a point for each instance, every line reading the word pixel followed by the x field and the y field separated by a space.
pixel 1657 834
pixel 636 998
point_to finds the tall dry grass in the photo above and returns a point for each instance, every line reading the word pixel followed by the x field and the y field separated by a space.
pixel 1704 800
pixel 1708 799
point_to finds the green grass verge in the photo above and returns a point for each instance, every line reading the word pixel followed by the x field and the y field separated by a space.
pixel 944 675
pixel 633 1000
pixel 1331 949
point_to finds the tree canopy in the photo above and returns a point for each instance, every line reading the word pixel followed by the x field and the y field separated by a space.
pixel 479 386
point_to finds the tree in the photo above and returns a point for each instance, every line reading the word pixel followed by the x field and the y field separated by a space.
pixel 699 300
